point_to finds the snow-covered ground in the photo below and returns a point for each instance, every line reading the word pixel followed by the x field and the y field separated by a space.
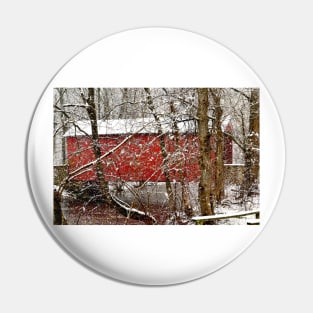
pixel 152 199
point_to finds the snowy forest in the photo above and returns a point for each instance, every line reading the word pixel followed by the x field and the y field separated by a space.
pixel 156 156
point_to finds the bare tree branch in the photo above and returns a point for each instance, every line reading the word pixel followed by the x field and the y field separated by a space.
pixel 242 93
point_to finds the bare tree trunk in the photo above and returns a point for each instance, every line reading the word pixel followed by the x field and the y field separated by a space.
pixel 184 193
pixel 219 152
pixel 92 114
pixel 254 128
pixel 58 139
pixel 161 135
pixel 252 143
pixel 123 108
pixel 59 144
pixel 204 157
pixel 58 217
pixel 98 106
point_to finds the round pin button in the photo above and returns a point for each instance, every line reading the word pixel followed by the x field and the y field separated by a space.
pixel 155 156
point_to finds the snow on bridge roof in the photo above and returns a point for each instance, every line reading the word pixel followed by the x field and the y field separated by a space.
pixel 131 126
pixel 127 126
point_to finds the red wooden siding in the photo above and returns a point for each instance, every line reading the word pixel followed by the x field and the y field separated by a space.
pixel 140 158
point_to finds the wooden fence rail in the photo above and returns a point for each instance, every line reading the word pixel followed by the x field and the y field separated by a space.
pixel 199 220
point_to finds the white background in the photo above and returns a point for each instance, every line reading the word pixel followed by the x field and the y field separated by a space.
pixel 273 38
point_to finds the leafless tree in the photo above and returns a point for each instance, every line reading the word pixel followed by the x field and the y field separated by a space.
pixel 204 157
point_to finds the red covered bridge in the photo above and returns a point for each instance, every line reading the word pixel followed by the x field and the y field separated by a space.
pixel 140 157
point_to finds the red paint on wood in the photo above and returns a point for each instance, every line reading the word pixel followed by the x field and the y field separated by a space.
pixel 140 158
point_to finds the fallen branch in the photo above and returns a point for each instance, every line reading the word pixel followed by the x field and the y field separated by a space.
pixel 133 213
